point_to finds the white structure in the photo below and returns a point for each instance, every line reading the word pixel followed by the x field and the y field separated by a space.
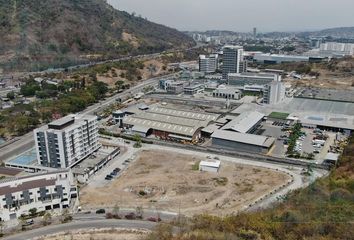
pixel 227 92
pixel 336 49
pixel 274 93
pixel 246 122
pixel 208 64
pixel 209 166
pixel 242 79
pixel 233 61
pixel 66 141
pixel 48 191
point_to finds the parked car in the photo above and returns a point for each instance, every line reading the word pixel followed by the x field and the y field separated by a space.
pixel 116 170
pixel 130 216
pixel 101 211
pixel 154 219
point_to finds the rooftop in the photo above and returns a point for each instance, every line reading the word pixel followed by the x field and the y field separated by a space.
pixel 244 122
pixel 252 139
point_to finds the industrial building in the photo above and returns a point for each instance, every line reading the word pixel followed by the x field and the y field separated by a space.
pixel 208 64
pixel 246 122
pixel 243 142
pixel 233 61
pixel 336 49
pixel 241 79
pixel 227 92
pixel 277 59
pixel 167 122
pixel 66 141
pixel 46 191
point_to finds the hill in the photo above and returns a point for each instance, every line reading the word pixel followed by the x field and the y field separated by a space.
pixel 38 34
pixel 324 210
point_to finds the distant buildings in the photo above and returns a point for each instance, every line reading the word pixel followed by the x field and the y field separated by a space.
pixel 274 93
pixel 67 141
pixel 233 60
pixel 336 49
pixel 254 32
pixel 208 64
pixel 48 191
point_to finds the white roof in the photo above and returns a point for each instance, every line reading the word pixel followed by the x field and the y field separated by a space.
pixel 332 156
pixel 211 163
pixel 251 139
pixel 244 122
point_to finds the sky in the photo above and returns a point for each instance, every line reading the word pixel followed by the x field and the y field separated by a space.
pixel 242 16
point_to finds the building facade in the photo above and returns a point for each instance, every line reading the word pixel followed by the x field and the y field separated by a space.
pixel 242 79
pixel 208 64
pixel 233 61
pixel 336 49
pixel 48 191
pixel 274 93
pixel 67 141
pixel 227 93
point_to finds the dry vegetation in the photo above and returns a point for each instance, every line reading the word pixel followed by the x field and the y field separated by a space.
pixel 167 181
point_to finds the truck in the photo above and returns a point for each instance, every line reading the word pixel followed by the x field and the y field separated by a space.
pixel 318 141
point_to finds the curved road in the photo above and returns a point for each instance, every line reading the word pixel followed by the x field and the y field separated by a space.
pixel 72 226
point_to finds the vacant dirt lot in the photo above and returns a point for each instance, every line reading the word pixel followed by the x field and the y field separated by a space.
pixel 167 181
pixel 102 234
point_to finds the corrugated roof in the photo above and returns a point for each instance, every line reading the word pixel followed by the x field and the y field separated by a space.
pixel 252 139
pixel 213 163
pixel 244 122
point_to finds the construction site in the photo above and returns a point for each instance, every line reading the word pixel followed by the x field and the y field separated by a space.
pixel 171 181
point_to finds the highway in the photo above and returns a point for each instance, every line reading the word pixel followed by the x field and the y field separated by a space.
pixel 81 224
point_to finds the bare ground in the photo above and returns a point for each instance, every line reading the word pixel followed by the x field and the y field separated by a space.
pixel 167 181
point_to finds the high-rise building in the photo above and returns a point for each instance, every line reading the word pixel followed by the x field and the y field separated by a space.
pixel 274 93
pixel 233 61
pixel 66 141
pixel 208 64
pixel 254 32
pixel 336 49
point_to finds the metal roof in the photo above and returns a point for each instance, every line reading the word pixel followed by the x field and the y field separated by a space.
pixel 210 163
pixel 251 139
pixel 244 122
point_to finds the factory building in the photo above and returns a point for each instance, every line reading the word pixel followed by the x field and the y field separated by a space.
pixel 66 141
pixel 48 191
pixel 242 79
pixel 167 123
pixel 267 58
pixel 246 122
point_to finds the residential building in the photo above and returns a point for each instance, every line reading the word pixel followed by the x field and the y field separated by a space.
pixel 233 61
pixel 48 191
pixel 336 49
pixel 208 64
pixel 66 141
pixel 274 93
pixel 242 79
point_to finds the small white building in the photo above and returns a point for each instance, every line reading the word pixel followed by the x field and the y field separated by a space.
pixel 209 166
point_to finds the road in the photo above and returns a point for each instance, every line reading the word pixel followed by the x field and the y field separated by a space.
pixel 82 224
pixel 26 141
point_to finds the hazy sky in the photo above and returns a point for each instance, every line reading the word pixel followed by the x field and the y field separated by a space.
pixel 243 15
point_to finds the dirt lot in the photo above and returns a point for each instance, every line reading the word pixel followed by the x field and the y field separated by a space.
pixel 102 234
pixel 167 181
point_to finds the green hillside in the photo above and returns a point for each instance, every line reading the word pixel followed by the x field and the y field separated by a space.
pixel 38 34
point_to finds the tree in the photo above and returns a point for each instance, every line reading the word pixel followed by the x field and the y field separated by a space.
pixel 33 212
pixel 65 216
pixel 137 139
pixel 11 95
pixel 116 209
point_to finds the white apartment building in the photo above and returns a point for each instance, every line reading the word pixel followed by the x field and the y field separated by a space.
pixel 48 191
pixel 208 64
pixel 274 93
pixel 67 141
pixel 336 49
pixel 233 60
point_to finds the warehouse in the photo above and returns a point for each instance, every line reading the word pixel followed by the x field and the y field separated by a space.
pixel 167 122
pixel 246 122
pixel 241 141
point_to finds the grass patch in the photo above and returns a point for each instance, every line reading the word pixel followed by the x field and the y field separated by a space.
pixel 195 166
pixel 221 181
pixel 279 115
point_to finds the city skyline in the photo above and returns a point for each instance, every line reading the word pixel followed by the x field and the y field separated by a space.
pixel 201 15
